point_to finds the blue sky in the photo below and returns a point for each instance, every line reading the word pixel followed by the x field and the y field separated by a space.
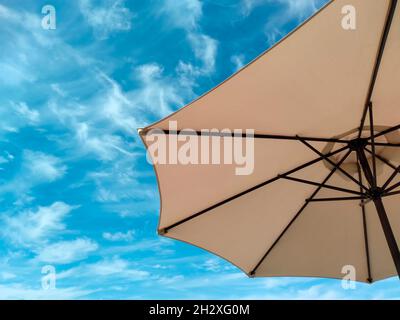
pixel 76 191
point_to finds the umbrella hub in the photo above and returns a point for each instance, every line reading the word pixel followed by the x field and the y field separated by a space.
pixel 364 143
pixel 375 193
pixel 358 143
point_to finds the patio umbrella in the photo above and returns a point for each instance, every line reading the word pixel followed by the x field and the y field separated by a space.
pixel 324 107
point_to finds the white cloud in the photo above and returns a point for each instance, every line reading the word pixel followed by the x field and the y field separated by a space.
pixel 32 227
pixel 16 115
pixel 159 246
pixel 65 252
pixel 282 282
pixel 206 52
pixel 204 281
pixel 119 236
pixel 6 158
pixel 6 13
pixel 120 181
pixel 273 34
pixel 5 275
pixel 106 16
pixel 117 111
pixel 42 167
pixel 118 267
pixel 22 110
pixel 117 107
pixel 21 39
pixel 319 292
pixel 238 61
pixel 293 8
pixel 149 72
pixel 186 15
pixel 301 8
pixel 36 168
pixel 104 145
pixel 205 49
pixel 56 88
pixel 247 6
pixel 156 94
pixel 113 268
pixel 212 265
pixel 170 281
pixel 18 292
pixel 183 14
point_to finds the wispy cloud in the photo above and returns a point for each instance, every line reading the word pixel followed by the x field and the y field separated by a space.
pixel 116 266
pixel 293 8
pixel 65 252
pixel 214 265
pixel 297 10
pixel 22 110
pixel 155 94
pixel 119 236
pixel 36 168
pixel 106 16
pixel 18 292
pixel 109 269
pixel 238 60
pixel 6 158
pixel 289 10
pixel 5 275
pixel 183 14
pixel 301 8
pixel 186 15
pixel 205 49
pixel 32 227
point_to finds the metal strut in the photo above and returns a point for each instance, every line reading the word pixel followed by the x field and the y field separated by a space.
pixel 376 194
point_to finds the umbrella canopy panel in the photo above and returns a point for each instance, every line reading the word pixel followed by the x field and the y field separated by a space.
pixel 317 82
pixel 386 95
pixel 314 82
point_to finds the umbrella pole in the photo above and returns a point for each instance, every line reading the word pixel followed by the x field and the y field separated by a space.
pixel 387 229
pixel 376 195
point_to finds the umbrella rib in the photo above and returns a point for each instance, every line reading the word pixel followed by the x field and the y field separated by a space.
pixel 371 127
pixel 384 160
pixel 388 181
pixel 391 194
pixel 333 164
pixel 383 144
pixel 245 135
pixel 392 187
pixel 386 131
pixel 307 201
pixel 364 217
pixel 322 185
pixel 303 166
pixel 335 199
pixel 378 61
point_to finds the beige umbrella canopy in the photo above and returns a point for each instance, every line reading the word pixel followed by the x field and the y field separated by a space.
pixel 324 106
